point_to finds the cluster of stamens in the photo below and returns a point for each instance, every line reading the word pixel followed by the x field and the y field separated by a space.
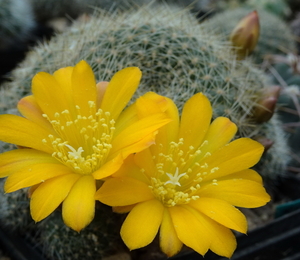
pixel 84 141
pixel 179 173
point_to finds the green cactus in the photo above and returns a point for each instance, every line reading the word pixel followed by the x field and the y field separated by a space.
pixel 178 58
pixel 275 35
pixel 16 22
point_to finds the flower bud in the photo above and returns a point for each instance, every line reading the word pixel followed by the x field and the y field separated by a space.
pixel 266 105
pixel 245 35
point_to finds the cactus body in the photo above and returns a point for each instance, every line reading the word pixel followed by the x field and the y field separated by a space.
pixel 275 35
pixel 178 58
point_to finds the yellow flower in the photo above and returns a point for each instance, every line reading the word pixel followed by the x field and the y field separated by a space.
pixel 187 185
pixel 74 133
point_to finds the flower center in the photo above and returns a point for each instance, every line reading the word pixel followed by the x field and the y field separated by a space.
pixel 84 142
pixel 179 173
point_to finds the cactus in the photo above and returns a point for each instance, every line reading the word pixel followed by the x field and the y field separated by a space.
pixel 178 58
pixel 275 35
pixel 16 22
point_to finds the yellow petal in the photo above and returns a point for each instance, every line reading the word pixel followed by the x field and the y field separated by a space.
pixel 144 160
pixel 109 167
pixel 202 233
pixel 130 169
pixel 138 135
pixel 169 132
pixel 84 87
pixel 248 174
pixel 169 242
pixel 220 132
pixel 20 131
pixel 101 88
pixel 238 155
pixel 120 90
pixel 195 120
pixel 48 196
pixel 34 174
pixel 148 104
pixel 142 224
pixel 238 192
pixel 30 109
pixel 79 207
pixel 223 242
pixel 16 160
pixel 123 191
pixel 191 228
pixel 221 212
pixel 63 77
pixel 48 94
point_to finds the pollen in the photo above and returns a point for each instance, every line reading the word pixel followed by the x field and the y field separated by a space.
pixel 83 140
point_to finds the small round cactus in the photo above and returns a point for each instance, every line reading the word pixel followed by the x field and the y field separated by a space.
pixel 16 22
pixel 178 57
pixel 275 35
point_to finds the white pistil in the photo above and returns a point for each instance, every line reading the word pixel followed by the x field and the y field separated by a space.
pixel 174 179
pixel 75 154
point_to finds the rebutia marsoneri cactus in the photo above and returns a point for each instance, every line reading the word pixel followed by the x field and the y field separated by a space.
pixel 178 58
pixel 275 35
pixel 16 22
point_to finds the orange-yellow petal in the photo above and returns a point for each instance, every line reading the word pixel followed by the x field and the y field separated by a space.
pixel 247 174
pixel 48 94
pixel 195 120
pixel 142 224
pixel 120 90
pixel 101 88
pixel 144 129
pixel 220 132
pixel 238 155
pixel 79 207
pixel 63 77
pixel 48 196
pixel 34 174
pixel 144 160
pixel 223 242
pixel 123 191
pixel 169 242
pixel 221 212
pixel 84 87
pixel 169 132
pixel 30 109
pixel 238 192
pixel 109 167
pixel 20 159
pixel 130 168
pixel 21 131
pixel 191 228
